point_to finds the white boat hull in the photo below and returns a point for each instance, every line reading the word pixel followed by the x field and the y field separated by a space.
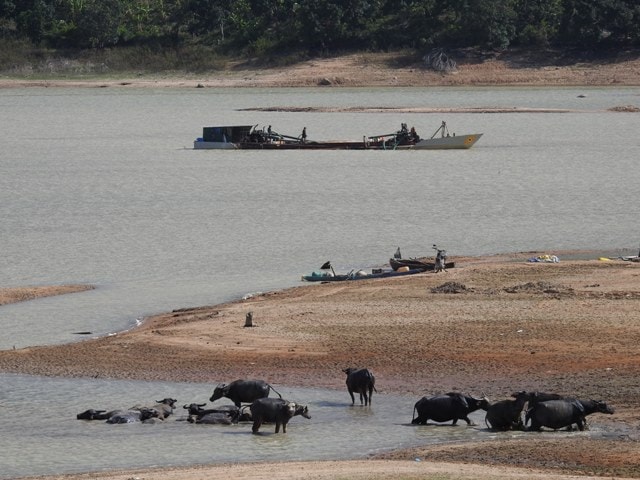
pixel 445 143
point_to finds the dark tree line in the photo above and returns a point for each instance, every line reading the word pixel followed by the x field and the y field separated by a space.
pixel 322 26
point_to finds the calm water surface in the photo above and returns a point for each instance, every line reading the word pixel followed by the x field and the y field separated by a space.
pixel 101 186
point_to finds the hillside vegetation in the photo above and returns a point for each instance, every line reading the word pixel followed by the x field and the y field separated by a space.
pixel 97 36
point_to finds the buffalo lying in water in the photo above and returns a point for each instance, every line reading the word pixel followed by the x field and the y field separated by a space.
pixel 224 415
pixel 139 413
pixel 133 415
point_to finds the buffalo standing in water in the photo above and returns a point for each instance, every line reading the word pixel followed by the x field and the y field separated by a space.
pixel 275 410
pixel 507 414
pixel 242 391
pixel 449 407
pixel 558 414
pixel 360 381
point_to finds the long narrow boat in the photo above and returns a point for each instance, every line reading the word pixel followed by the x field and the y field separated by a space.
pixel 249 137
pixel 358 275
pixel 397 263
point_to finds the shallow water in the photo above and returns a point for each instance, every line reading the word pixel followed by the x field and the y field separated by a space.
pixel 97 187
pixel 63 444
pixel 336 430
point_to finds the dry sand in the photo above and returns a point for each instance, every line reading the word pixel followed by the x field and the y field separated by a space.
pixel 544 68
pixel 571 327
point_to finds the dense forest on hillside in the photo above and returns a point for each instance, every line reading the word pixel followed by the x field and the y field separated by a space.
pixel 281 29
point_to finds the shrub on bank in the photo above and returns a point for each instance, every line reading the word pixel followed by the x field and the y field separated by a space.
pixel 23 59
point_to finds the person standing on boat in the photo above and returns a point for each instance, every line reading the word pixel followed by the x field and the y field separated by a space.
pixel 304 135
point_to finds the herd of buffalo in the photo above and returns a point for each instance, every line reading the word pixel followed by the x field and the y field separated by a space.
pixel 548 410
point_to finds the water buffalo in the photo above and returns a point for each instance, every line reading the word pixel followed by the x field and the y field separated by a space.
pixel 133 416
pixel 242 391
pixel 226 414
pixel 506 414
pixel 536 397
pixel 275 410
pixel 360 381
pixel 93 414
pixel 164 407
pixel 557 414
pixel 213 418
pixel 451 406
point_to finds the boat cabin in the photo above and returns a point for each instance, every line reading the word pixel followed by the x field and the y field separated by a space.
pixel 223 136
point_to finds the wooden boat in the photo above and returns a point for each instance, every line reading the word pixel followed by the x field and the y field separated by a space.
pixel 327 274
pixel 248 137
pixel 397 263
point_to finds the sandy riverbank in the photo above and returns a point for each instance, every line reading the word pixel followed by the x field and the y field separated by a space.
pixel 511 68
pixel 572 327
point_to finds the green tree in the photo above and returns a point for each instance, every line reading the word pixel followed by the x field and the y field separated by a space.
pixel 486 23
pixel 422 23
pixel 591 23
pixel 538 21
pixel 34 18
pixel 7 8
pixel 98 23
pixel 326 24
pixel 205 17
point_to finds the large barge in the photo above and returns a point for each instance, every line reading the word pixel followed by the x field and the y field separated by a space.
pixel 249 137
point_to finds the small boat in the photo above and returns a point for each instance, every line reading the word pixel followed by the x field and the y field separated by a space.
pixel 397 263
pixel 327 274
pixel 248 137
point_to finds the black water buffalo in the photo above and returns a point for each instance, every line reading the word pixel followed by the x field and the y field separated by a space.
pixel 164 407
pixel 443 408
pixel 558 414
pixel 275 410
pixel 536 397
pixel 213 418
pixel 226 414
pixel 133 416
pixel 139 413
pixel 93 414
pixel 360 381
pixel 242 391
pixel 507 414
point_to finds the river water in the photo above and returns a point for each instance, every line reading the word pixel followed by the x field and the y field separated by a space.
pixel 101 186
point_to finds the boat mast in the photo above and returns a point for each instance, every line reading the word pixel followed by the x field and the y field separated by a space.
pixel 443 129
